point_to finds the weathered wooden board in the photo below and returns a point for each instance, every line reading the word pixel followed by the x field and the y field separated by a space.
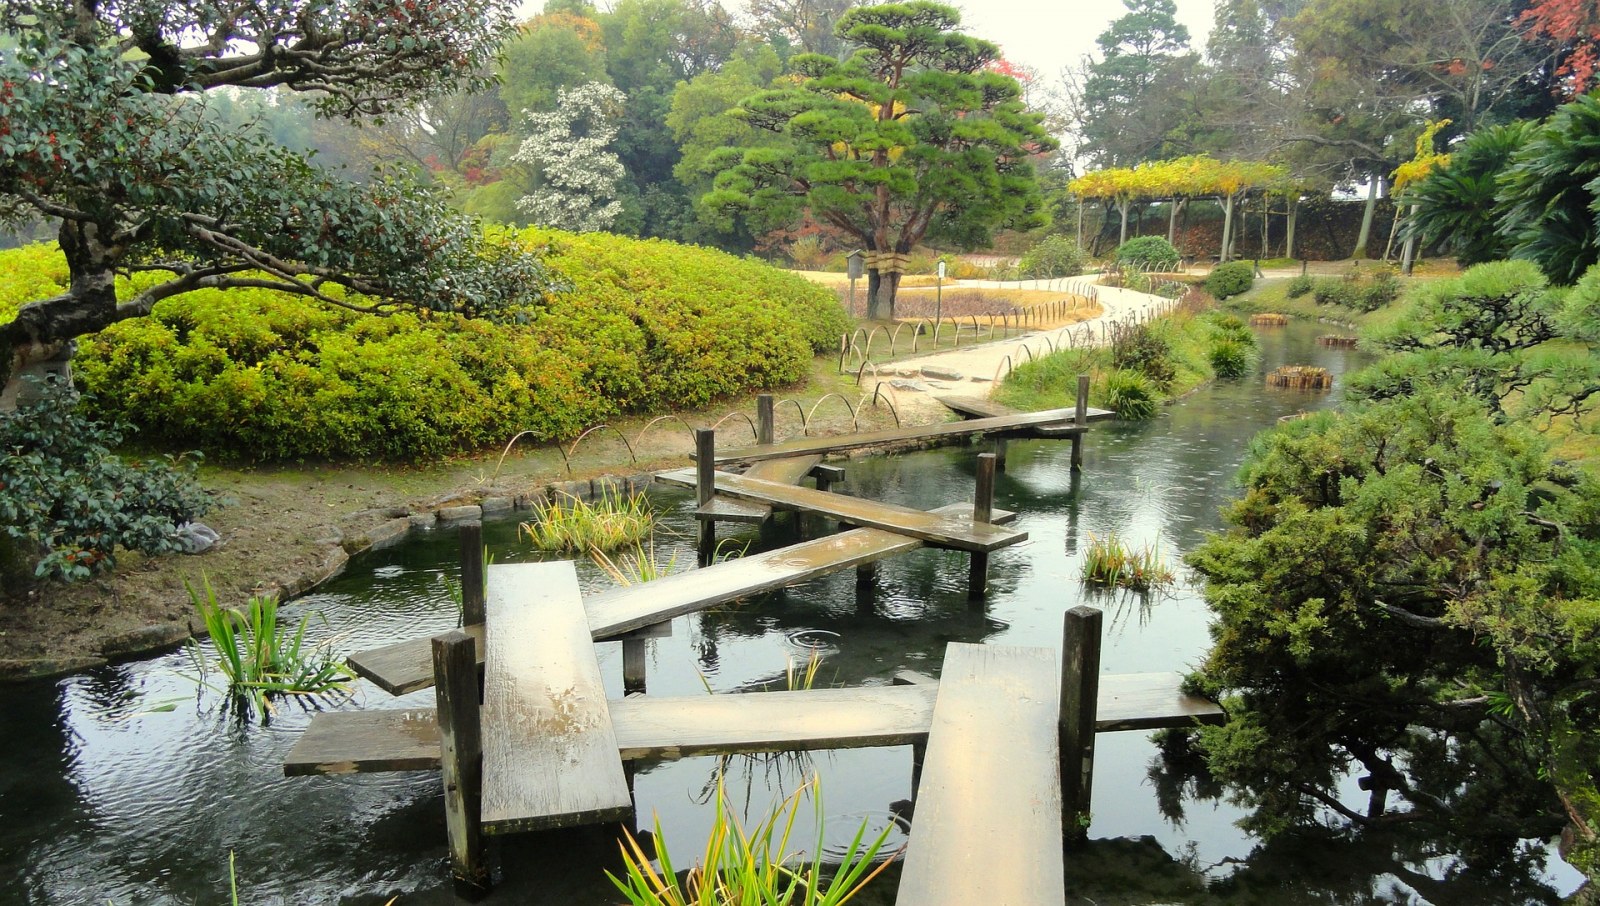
pixel 977 407
pixel 649 727
pixel 363 742
pixel 346 742
pixel 934 528
pixel 805 446
pixel 988 817
pixel 549 751
pixel 785 471
pixel 408 666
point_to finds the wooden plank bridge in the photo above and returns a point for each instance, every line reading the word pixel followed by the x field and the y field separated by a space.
pixel 1002 748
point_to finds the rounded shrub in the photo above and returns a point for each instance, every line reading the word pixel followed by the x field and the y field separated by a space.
pixel 1141 349
pixel 1130 394
pixel 1052 256
pixel 1335 291
pixel 1230 279
pixel 645 326
pixel 1149 252
pixel 1299 286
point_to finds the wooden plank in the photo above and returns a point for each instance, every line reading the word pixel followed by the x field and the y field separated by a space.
pixel 461 757
pixel 364 742
pixel 935 529
pixel 1021 423
pixel 348 742
pixel 683 726
pixel 549 751
pixel 408 666
pixel 975 407
pixel 988 808
pixel 787 471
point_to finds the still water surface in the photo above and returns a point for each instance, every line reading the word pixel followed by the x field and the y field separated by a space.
pixel 128 785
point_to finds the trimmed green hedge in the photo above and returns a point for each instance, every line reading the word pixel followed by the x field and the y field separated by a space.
pixel 647 326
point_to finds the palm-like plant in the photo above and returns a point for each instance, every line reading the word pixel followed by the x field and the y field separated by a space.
pixel 1548 193
pixel 1456 204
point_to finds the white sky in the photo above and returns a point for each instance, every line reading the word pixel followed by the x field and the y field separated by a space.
pixel 1048 36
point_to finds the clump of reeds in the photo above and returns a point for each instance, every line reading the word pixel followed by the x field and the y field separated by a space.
pixel 1113 562
pixel 260 657
pixel 641 565
pixel 1335 340
pixel 1268 319
pixel 799 678
pixel 1300 377
pixel 755 868
pixel 570 523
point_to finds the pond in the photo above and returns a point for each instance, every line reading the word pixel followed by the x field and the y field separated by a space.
pixel 128 785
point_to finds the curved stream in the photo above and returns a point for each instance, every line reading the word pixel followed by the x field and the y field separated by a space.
pixel 127 784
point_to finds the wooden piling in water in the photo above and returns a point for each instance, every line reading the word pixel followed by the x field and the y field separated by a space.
pixel 1337 341
pixel 461 760
pixel 705 446
pixel 470 539
pixel 1080 418
pixel 1080 695
pixel 1268 319
pixel 982 511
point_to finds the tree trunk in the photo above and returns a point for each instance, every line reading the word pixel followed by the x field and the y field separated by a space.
pixel 1408 254
pixel 1266 212
pixel 1123 206
pixel 1227 229
pixel 1365 235
pixel 881 289
pixel 1172 224
pixel 38 342
pixel 1294 214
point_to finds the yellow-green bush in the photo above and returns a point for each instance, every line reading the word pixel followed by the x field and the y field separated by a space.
pixel 647 325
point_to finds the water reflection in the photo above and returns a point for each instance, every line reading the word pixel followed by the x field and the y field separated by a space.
pixel 104 797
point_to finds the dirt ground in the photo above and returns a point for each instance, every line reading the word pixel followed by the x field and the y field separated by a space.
pixel 286 528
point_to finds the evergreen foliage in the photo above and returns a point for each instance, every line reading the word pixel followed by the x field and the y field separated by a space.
pixel 68 504
pixel 909 138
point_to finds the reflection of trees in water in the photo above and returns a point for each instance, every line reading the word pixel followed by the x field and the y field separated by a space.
pixel 1334 865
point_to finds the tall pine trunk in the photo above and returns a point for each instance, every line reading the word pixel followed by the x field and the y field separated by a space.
pixel 1227 229
pixel 1365 235
pixel 1294 214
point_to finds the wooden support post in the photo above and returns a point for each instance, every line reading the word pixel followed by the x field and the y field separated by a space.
pixel 470 536
pixel 705 443
pixel 634 650
pixel 1080 418
pixel 919 750
pixel 999 454
pixel 1080 693
pixel 764 419
pixel 461 759
pixel 982 511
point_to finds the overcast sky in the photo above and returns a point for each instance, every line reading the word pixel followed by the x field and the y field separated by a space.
pixel 1048 36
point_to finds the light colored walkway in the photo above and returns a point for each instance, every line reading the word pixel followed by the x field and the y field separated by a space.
pixel 972 370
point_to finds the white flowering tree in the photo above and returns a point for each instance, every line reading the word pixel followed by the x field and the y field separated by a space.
pixel 570 147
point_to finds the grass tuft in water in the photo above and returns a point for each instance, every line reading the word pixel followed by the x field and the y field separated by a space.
pixel 260 657
pixel 643 564
pixel 611 521
pixel 1114 563
pixel 755 868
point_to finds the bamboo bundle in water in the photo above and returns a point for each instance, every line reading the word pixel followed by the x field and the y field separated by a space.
pixel 1300 377
pixel 1268 319
pixel 1332 339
